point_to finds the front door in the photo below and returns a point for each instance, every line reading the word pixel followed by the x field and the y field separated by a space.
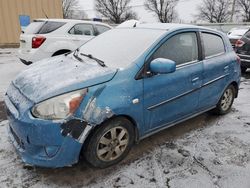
pixel 81 33
pixel 171 97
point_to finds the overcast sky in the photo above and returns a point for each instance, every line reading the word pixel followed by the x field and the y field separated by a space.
pixel 186 9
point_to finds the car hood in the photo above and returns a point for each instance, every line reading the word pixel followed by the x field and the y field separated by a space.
pixel 58 75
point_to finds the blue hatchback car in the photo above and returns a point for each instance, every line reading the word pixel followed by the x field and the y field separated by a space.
pixel 117 89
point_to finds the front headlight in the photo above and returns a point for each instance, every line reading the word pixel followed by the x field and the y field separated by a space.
pixel 59 107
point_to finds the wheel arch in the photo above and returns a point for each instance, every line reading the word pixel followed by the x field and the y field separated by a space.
pixel 133 122
pixel 236 87
pixel 61 51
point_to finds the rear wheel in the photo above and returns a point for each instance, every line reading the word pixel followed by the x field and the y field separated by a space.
pixel 110 143
pixel 226 101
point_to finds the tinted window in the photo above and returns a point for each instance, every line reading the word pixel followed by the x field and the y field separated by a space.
pixel 82 29
pixel 180 48
pixel 213 44
pixel 48 27
pixel 101 29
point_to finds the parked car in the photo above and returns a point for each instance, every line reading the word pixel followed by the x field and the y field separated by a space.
pixel 243 51
pixel 100 100
pixel 236 33
pixel 45 38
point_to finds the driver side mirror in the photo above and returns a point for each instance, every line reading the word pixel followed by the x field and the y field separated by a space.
pixel 162 66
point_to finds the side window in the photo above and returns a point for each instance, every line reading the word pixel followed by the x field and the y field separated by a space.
pixel 213 44
pixel 101 29
pixel 181 48
pixel 82 29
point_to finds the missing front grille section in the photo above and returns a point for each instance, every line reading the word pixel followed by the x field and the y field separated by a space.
pixel 73 128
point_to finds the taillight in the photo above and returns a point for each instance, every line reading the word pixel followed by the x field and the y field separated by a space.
pixel 239 43
pixel 37 41
pixel 238 60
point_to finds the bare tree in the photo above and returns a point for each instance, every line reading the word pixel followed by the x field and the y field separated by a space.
pixel 163 9
pixel 215 11
pixel 71 10
pixel 116 10
pixel 245 6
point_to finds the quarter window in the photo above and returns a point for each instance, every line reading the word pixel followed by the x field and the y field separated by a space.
pixel 49 27
pixel 181 48
pixel 213 44
pixel 82 29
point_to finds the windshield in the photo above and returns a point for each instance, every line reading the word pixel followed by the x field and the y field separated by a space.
pixel 118 48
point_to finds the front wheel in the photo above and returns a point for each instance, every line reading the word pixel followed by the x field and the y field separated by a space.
pixel 226 101
pixel 110 143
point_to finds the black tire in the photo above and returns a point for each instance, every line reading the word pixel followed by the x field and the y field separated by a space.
pixel 243 69
pixel 60 52
pixel 101 141
pixel 225 103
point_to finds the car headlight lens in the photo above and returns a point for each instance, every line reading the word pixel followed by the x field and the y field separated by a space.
pixel 59 107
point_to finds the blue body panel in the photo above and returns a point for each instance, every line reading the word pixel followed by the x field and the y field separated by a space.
pixel 151 103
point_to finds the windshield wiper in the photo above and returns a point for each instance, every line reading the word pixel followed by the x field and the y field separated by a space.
pixel 75 54
pixel 100 62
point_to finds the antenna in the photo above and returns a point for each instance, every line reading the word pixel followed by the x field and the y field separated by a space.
pixel 45 14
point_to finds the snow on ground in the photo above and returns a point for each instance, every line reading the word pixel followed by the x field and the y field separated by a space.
pixel 10 66
pixel 207 151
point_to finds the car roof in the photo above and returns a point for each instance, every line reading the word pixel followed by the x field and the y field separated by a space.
pixel 170 26
pixel 71 21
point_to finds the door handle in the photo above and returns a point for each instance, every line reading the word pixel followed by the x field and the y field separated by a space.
pixel 195 79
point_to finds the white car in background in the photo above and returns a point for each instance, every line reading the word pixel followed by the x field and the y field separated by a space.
pixel 236 33
pixel 45 38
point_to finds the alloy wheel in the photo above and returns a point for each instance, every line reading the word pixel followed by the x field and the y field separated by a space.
pixel 112 144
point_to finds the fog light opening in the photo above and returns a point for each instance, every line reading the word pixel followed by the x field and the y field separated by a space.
pixel 51 151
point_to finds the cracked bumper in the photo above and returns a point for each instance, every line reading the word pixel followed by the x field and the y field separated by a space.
pixel 42 144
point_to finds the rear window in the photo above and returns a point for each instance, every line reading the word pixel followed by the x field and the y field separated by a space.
pixel 50 26
pixel 33 27
pixel 213 44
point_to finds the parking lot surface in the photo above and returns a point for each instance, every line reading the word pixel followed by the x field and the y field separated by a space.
pixel 206 151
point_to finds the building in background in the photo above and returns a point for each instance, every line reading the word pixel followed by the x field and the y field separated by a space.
pixel 17 13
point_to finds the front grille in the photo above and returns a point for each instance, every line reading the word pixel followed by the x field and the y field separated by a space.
pixel 17 139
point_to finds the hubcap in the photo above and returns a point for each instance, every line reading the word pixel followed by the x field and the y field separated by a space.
pixel 227 99
pixel 112 144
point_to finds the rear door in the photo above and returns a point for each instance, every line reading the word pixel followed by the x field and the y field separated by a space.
pixel 171 97
pixel 217 67
pixel 81 33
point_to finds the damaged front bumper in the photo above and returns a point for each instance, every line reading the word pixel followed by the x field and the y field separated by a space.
pixel 47 143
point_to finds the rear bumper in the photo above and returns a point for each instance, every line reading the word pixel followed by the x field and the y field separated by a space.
pixel 25 62
pixel 32 55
